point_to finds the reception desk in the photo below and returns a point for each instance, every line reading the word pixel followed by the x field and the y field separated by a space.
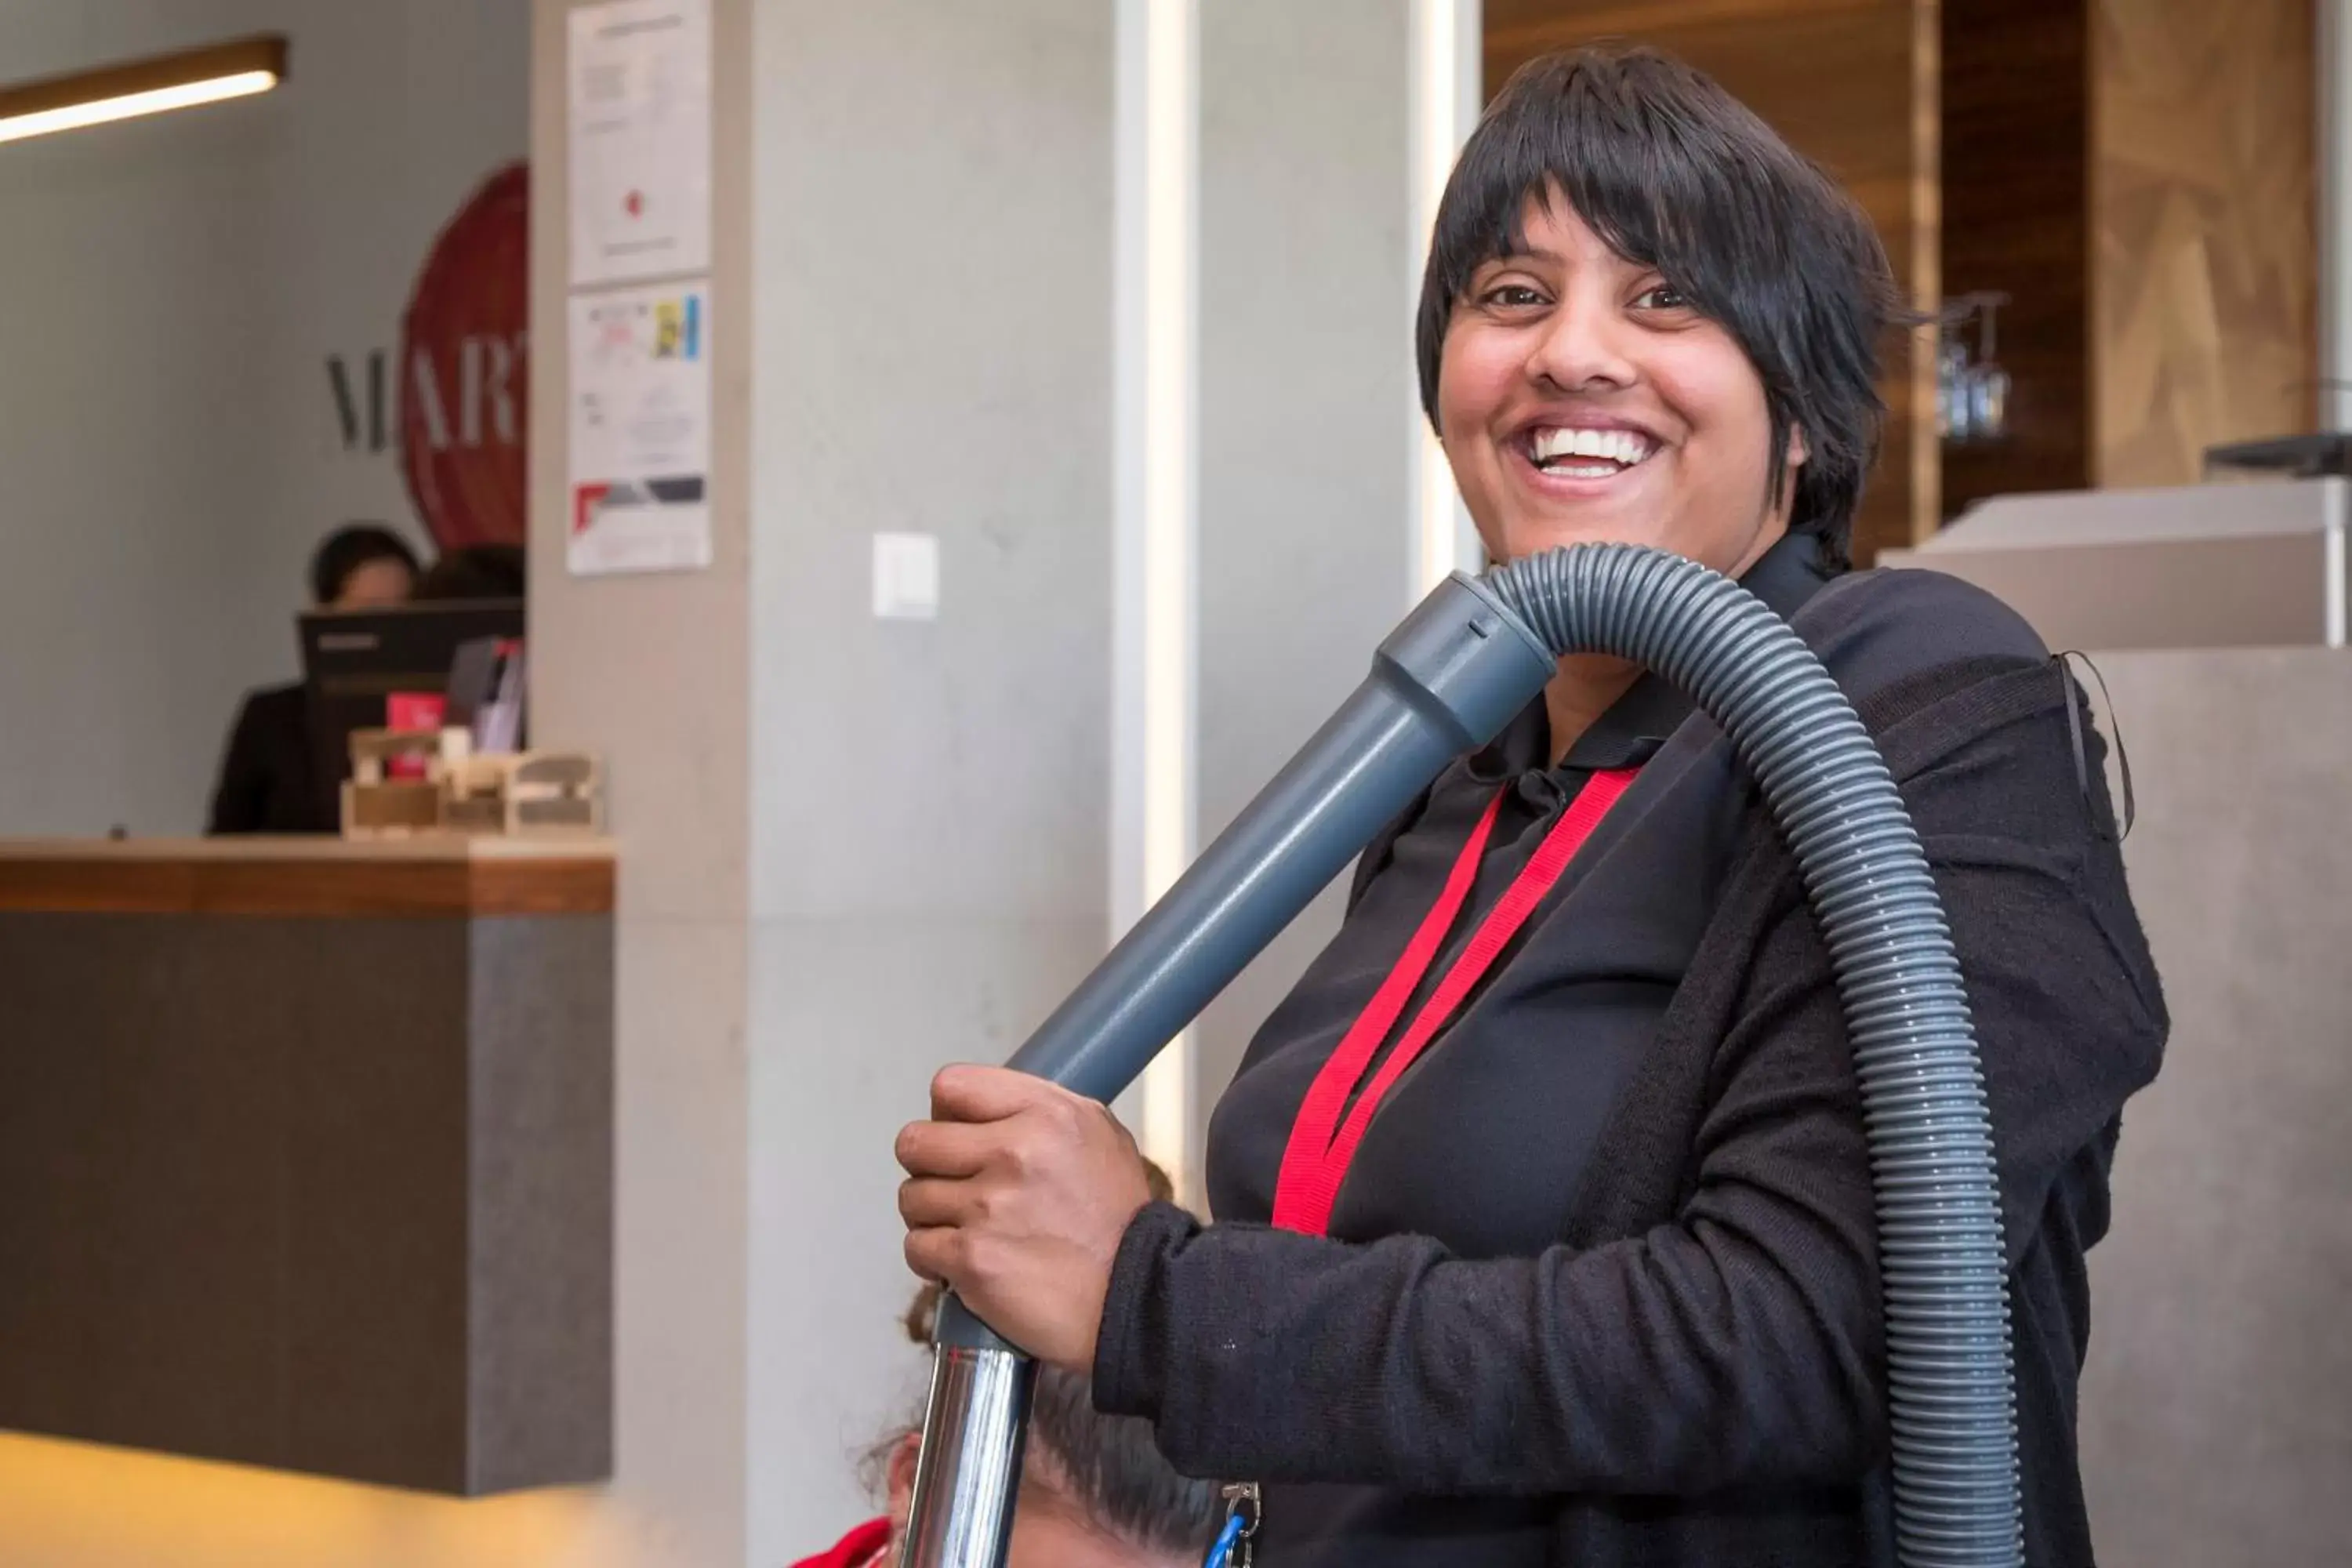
pixel 306 1154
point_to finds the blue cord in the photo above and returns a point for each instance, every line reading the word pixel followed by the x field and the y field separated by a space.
pixel 1223 1551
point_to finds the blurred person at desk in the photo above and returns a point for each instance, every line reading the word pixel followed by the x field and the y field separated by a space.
pixel 266 778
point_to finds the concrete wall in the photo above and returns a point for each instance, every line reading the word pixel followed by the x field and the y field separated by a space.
pixel 165 418
pixel 128 619
pixel 852 849
pixel 652 674
pixel 2215 1431
pixel 1307 289
pixel 930 820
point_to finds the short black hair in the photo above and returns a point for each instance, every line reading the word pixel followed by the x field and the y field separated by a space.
pixel 1113 1473
pixel 347 550
pixel 1672 171
pixel 475 572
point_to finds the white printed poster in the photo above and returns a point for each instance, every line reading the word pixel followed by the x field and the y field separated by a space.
pixel 640 479
pixel 640 148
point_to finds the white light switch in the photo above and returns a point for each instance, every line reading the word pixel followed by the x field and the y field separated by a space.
pixel 907 577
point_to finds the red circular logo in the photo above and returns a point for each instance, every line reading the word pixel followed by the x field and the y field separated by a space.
pixel 465 370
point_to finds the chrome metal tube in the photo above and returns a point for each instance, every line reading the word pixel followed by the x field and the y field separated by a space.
pixel 974 1430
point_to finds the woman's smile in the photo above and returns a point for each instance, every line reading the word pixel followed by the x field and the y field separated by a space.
pixel 1574 459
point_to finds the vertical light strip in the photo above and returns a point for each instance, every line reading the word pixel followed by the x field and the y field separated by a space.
pixel 1157 544
pixel 2332 563
pixel 1444 61
pixel 2333 407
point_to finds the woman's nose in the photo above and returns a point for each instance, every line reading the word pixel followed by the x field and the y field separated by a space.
pixel 1581 346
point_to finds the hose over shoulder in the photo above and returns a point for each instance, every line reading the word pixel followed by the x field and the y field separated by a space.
pixel 1930 1134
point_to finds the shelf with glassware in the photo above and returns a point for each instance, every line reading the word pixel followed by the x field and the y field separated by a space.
pixel 1971 387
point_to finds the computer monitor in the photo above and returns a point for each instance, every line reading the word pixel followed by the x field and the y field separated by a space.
pixel 353 659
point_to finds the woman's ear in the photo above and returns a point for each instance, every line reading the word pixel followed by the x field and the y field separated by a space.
pixel 902 1476
pixel 1798 450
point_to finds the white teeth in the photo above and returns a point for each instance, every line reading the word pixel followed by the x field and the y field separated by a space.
pixel 1624 447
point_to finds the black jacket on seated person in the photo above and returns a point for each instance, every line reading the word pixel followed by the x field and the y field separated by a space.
pixel 1601 1286
pixel 268 778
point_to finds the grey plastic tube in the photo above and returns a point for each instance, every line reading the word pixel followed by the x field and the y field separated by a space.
pixel 1451 675
pixel 1448 678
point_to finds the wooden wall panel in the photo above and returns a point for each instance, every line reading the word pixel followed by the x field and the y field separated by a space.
pixel 2204 209
pixel 2016 196
pixel 1853 85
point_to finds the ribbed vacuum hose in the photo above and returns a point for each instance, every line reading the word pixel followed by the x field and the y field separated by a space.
pixel 1939 1233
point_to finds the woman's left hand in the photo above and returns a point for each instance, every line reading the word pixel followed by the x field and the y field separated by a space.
pixel 1016 1196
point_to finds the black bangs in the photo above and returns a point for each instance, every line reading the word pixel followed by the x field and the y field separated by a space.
pixel 1672 172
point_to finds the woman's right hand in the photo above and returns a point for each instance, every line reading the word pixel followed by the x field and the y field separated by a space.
pixel 1018 1193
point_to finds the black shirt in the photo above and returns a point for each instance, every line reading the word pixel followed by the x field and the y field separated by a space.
pixel 1447 1155
pixel 1601 1287
pixel 268 780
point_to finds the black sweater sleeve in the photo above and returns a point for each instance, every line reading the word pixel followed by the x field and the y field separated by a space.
pixel 1737 1344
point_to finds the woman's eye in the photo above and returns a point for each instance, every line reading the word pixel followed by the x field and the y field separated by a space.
pixel 1662 297
pixel 1510 297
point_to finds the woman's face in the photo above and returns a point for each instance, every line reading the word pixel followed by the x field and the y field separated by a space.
pixel 376 583
pixel 1581 399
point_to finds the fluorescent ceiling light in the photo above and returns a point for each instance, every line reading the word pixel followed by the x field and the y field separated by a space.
pixel 141 87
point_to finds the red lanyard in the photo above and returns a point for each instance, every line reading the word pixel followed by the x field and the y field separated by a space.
pixel 1320 1148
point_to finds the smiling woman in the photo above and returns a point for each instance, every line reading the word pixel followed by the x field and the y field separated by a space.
pixel 1544 1215
pixel 1580 396
pixel 1647 255
pixel 1628 335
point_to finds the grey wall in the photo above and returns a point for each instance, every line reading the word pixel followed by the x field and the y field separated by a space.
pixel 652 675
pixel 929 822
pixel 128 441
pixel 852 850
pixel 1307 282
pixel 166 421
pixel 2217 1403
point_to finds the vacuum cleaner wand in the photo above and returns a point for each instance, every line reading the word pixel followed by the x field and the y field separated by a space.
pixel 1445 681
pixel 1470 657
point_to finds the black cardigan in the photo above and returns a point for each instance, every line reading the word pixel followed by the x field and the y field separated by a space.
pixel 268 779
pixel 1694 1374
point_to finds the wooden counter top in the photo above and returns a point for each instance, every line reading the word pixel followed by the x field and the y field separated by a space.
pixel 308 876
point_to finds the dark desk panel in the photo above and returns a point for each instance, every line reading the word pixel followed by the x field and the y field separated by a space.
pixel 326 1191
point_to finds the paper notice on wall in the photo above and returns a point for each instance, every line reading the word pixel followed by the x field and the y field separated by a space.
pixel 640 479
pixel 640 147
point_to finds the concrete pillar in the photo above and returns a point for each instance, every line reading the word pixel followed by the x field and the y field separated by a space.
pixel 1312 229
pixel 653 675
pixel 928 823
pixel 852 850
